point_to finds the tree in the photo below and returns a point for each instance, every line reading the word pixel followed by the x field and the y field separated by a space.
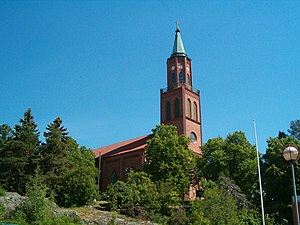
pixel 6 135
pixel 277 182
pixel 54 155
pixel 233 157
pixel 17 155
pixel 295 129
pixel 81 177
pixel 145 189
pixel 168 158
pixel 120 195
pixel 218 206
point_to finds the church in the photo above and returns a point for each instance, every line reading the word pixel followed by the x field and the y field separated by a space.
pixel 179 106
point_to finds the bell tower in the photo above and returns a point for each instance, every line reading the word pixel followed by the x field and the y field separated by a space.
pixel 179 101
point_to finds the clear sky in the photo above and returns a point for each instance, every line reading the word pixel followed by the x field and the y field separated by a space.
pixel 99 65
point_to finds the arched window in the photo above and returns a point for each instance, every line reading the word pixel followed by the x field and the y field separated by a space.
pixel 189 108
pixel 177 108
pixel 195 112
pixel 168 111
pixel 114 177
pixel 193 137
pixel 181 78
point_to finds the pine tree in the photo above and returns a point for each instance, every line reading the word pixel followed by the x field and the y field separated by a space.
pixel 54 155
pixel 17 155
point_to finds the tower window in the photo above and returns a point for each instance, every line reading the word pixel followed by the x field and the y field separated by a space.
pixel 173 79
pixel 195 111
pixel 189 108
pixel 177 108
pixel 193 136
pixel 181 78
pixel 168 111
pixel 188 79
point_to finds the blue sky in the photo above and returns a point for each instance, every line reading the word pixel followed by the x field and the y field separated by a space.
pixel 99 65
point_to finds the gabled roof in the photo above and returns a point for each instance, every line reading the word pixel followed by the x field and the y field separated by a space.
pixel 123 147
pixel 135 144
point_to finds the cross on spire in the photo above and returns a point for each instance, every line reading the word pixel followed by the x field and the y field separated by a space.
pixel 178 49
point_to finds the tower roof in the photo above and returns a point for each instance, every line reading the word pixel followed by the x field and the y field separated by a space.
pixel 178 49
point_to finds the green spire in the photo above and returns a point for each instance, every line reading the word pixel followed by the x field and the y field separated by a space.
pixel 178 49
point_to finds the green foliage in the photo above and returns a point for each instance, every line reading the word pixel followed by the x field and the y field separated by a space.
pixel 17 150
pixel 223 157
pixel 218 207
pixel 195 215
pixel 2 191
pixel 2 210
pixel 120 195
pixel 35 209
pixel 54 155
pixel 168 196
pixel 145 190
pixel 168 158
pixel 295 129
pixel 277 180
pixel 178 218
pixel 81 178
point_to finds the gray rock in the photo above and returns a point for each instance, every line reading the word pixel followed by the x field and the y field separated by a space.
pixel 67 212
pixel 11 201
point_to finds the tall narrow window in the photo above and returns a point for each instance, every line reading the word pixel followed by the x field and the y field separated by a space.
pixel 177 108
pixel 188 79
pixel 189 108
pixel 173 79
pixel 195 112
pixel 168 111
pixel 114 177
pixel 181 78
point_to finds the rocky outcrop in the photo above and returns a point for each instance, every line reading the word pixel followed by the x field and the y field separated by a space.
pixel 11 200
pixel 89 215
pixel 92 216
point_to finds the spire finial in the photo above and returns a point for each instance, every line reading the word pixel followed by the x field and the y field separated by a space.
pixel 177 26
pixel 178 49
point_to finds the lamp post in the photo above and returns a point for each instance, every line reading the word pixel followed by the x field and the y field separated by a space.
pixel 290 154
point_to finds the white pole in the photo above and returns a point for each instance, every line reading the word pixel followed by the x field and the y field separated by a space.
pixel 259 177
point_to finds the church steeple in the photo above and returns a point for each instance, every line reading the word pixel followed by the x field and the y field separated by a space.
pixel 178 49
pixel 180 102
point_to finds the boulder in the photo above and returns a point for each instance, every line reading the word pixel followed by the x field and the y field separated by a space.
pixel 11 200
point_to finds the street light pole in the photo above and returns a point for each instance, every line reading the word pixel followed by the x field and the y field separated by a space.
pixel 295 193
pixel 290 154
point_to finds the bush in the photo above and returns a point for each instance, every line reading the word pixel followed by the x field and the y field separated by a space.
pixel 2 210
pixel 2 191
pixel 178 218
pixel 120 196
pixel 35 208
pixel 84 184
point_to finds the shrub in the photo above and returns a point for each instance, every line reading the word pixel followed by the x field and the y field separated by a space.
pixel 2 210
pixel 178 218
pixel 120 196
pixel 36 207
pixel 2 191
pixel 84 184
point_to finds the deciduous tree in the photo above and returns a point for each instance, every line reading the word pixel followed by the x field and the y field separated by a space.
pixel 277 181
pixel 233 157
pixel 168 158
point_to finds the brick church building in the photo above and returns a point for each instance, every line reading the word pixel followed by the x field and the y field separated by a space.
pixel 179 106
